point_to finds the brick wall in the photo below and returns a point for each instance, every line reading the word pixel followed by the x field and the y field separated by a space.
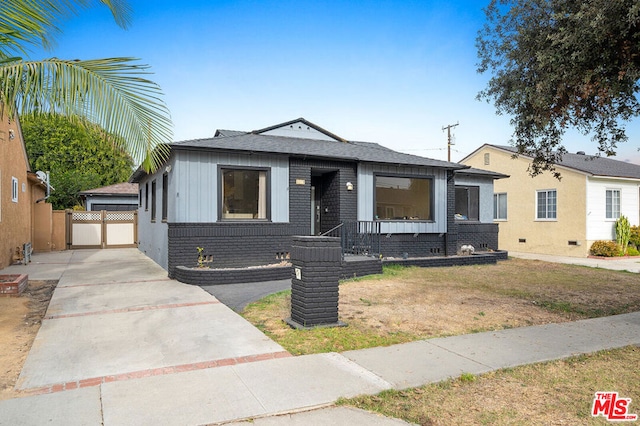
pixel 428 262
pixel 482 236
pixel 232 245
pixel 399 245
pixel 231 276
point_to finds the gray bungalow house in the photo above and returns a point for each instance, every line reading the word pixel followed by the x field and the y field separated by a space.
pixel 242 195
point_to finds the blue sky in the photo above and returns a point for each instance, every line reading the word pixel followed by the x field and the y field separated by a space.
pixel 392 72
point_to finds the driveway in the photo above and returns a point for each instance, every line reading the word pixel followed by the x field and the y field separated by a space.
pixel 115 314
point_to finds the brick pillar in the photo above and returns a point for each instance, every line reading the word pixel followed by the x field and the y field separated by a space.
pixel 314 284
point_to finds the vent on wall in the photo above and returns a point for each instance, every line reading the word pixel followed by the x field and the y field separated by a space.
pixel 522 240
pixel 573 243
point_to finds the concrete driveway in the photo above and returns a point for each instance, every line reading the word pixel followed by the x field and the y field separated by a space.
pixel 115 314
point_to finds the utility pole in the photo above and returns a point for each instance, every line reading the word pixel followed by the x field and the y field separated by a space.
pixel 448 128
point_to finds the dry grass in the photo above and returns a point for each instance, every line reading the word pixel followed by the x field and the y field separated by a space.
pixel 554 393
pixel 407 304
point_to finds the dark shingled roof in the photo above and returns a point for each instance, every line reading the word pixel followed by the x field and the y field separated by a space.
pixel 480 172
pixel 351 151
pixel 592 164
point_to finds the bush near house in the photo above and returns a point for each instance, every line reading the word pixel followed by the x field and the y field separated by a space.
pixel 605 249
pixel 634 238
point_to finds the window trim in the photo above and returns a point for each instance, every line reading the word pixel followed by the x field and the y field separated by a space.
pixel 468 188
pixel 431 179
pixel 165 196
pixel 613 218
pixel 221 170
pixel 14 189
pixel 154 187
pixel 146 196
pixel 496 206
pixel 546 218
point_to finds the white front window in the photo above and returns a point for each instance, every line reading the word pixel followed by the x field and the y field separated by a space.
pixel 546 204
pixel 500 206
pixel 613 204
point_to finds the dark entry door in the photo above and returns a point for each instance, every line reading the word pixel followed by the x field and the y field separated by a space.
pixel 316 205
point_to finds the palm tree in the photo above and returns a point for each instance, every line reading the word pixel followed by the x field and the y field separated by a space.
pixel 113 93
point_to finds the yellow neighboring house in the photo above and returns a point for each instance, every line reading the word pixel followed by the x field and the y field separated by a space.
pixel 562 217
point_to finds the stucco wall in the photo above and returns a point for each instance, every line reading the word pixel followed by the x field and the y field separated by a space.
pixel 539 236
pixel 15 217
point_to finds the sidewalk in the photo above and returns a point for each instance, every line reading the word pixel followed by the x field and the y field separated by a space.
pixel 122 344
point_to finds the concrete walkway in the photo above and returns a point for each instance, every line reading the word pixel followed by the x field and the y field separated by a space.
pixel 122 344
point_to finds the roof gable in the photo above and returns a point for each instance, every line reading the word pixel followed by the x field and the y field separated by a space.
pixel 299 128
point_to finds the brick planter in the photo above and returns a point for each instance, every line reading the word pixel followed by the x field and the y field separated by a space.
pixel 13 284
pixel 218 276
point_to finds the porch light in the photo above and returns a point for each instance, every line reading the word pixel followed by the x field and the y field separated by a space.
pixel 349 186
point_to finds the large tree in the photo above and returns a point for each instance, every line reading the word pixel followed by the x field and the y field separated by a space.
pixel 112 93
pixel 561 64
pixel 78 157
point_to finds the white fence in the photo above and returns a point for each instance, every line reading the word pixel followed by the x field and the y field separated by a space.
pixel 102 229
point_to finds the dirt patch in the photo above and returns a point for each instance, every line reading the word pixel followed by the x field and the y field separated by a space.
pixel 438 312
pixel 20 319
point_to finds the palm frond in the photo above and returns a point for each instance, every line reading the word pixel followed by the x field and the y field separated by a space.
pixel 26 23
pixel 112 93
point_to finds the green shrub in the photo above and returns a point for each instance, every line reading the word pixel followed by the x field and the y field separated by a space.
pixel 623 233
pixel 605 249
pixel 634 238
pixel 632 251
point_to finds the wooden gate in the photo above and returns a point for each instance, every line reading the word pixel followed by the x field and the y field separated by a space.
pixel 102 229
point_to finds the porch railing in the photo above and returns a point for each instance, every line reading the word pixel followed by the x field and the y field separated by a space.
pixel 358 237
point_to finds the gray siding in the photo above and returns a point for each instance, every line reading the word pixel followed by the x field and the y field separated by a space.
pixel 196 191
pixel 366 193
pixel 485 185
pixel 153 236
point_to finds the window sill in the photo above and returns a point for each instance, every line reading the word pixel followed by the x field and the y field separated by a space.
pixel 546 220
pixel 405 220
pixel 236 220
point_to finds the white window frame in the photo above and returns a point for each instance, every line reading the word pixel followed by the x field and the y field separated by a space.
pixel 14 189
pixel 611 214
pixel 547 216
pixel 496 206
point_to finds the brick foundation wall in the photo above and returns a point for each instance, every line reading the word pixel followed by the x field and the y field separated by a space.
pixel 482 236
pixel 232 245
pixel 397 245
